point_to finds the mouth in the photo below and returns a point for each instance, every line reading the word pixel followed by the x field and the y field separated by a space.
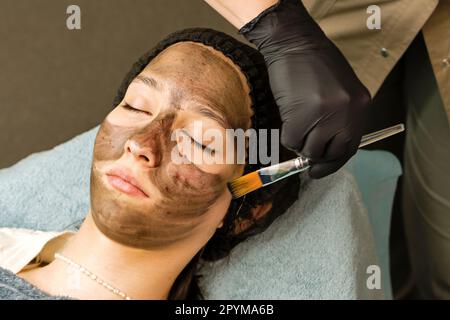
pixel 124 182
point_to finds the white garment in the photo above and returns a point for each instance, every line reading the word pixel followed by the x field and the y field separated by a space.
pixel 25 248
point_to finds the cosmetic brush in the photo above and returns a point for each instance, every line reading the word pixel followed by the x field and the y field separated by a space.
pixel 268 175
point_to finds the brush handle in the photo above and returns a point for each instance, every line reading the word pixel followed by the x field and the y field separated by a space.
pixel 302 163
pixel 366 139
pixel 381 134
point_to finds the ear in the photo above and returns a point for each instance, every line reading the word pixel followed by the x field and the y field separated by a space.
pixel 257 213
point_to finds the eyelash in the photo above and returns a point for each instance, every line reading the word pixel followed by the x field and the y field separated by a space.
pixel 130 108
pixel 199 145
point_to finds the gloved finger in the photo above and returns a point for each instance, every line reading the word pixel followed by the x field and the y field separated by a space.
pixel 339 146
pixel 320 170
pixel 316 143
pixel 291 137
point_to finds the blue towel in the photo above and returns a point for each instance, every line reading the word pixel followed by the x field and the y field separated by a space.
pixel 376 173
pixel 320 248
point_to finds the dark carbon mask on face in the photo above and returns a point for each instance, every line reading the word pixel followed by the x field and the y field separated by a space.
pixel 181 195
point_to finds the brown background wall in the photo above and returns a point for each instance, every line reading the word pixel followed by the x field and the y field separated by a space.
pixel 55 82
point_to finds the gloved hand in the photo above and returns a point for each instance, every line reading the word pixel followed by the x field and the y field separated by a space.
pixel 322 103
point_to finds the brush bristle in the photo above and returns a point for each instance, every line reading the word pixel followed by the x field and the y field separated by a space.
pixel 245 184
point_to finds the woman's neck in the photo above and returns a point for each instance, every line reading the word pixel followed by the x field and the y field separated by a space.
pixel 141 274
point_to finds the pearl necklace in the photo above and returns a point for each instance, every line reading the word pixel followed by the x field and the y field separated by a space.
pixel 93 276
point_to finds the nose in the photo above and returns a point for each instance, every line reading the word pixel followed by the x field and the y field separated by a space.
pixel 147 156
pixel 146 146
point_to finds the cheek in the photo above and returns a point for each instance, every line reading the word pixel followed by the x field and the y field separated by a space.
pixel 110 141
pixel 188 176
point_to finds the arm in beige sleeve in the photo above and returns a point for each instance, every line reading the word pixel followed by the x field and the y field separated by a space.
pixel 239 12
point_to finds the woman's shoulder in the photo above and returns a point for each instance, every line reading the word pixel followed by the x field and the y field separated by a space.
pixel 13 287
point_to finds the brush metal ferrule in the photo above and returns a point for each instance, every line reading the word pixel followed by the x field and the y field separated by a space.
pixel 282 170
pixel 301 162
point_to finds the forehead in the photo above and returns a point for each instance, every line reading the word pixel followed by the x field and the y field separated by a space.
pixel 188 55
pixel 193 65
pixel 189 71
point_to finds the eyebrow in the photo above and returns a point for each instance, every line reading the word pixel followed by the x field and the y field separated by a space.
pixel 149 81
pixel 209 113
pixel 201 109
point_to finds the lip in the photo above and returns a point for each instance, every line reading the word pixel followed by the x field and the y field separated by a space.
pixel 121 180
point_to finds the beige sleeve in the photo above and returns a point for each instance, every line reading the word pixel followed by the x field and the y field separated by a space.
pixel 18 247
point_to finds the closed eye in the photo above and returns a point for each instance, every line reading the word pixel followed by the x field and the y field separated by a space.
pixel 130 108
pixel 198 144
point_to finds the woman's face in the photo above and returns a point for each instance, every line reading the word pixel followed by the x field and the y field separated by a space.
pixel 187 83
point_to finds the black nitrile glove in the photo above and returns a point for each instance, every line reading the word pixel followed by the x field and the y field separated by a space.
pixel 322 103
